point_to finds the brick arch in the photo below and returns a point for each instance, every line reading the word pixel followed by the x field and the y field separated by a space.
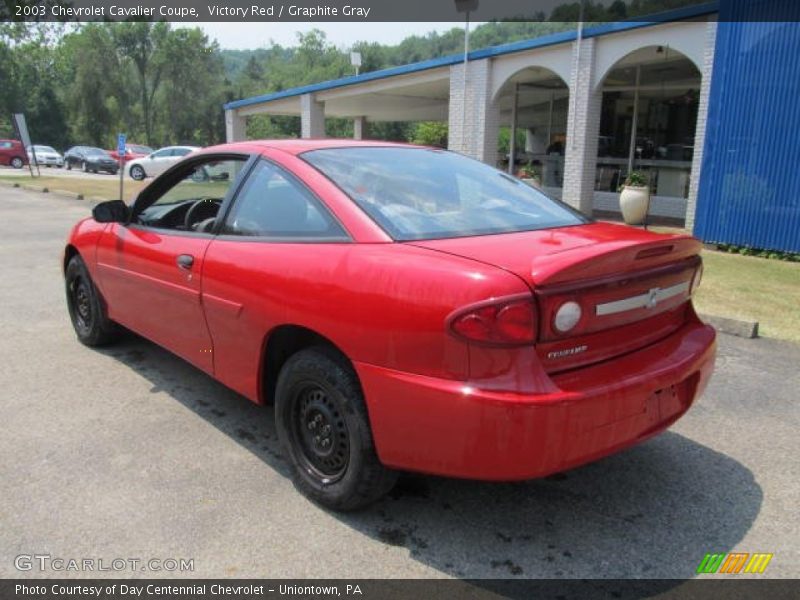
pixel 687 39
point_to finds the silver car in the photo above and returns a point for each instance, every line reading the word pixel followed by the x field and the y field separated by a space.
pixel 45 156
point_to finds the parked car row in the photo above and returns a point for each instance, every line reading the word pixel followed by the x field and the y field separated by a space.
pixel 140 161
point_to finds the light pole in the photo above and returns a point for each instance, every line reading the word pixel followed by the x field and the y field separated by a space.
pixel 465 6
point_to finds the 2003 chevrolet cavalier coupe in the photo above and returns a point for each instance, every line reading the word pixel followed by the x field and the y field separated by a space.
pixel 405 308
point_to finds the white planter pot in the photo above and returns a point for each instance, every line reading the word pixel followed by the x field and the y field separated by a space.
pixel 532 182
pixel 634 203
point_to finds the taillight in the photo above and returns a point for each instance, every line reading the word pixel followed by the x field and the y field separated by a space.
pixel 505 322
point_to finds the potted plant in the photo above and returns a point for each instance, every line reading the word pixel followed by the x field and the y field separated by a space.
pixel 530 175
pixel 634 198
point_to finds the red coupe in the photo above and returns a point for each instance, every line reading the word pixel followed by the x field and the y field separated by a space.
pixel 405 308
pixel 132 151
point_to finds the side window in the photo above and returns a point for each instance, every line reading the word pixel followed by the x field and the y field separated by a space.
pixel 162 153
pixel 274 204
pixel 180 151
pixel 5 144
pixel 193 200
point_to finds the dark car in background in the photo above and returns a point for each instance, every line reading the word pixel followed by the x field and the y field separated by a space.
pixel 90 160
pixel 12 153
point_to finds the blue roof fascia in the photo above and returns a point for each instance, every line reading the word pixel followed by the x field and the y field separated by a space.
pixel 678 14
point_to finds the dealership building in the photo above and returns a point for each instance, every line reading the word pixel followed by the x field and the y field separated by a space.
pixel 704 100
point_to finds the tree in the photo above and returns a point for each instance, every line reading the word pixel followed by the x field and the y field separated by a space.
pixel 143 43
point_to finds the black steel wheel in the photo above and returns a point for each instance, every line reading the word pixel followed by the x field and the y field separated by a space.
pixel 320 431
pixel 323 425
pixel 85 307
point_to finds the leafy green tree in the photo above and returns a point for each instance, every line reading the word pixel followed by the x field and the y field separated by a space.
pixel 143 43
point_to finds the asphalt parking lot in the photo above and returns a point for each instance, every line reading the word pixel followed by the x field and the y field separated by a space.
pixel 130 452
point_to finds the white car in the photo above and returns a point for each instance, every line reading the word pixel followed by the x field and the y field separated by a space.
pixel 45 156
pixel 157 162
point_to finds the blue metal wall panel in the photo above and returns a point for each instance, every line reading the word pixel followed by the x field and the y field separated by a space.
pixel 750 181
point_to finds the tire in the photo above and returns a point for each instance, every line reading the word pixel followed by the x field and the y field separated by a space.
pixel 319 399
pixel 17 162
pixel 137 172
pixel 86 310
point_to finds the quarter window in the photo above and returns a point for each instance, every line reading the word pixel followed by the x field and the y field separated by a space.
pixel 274 204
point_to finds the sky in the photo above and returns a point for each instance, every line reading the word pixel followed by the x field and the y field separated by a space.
pixel 242 36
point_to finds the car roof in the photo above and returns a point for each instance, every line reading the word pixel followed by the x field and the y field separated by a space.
pixel 298 146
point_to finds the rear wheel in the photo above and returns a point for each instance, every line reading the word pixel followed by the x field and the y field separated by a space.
pixel 86 309
pixel 137 172
pixel 17 162
pixel 323 425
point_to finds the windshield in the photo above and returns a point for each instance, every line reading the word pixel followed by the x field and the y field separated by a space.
pixel 44 149
pixel 419 193
pixel 96 152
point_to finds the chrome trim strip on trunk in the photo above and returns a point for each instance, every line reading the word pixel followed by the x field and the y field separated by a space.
pixel 647 300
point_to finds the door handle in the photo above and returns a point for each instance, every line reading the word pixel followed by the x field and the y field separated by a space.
pixel 185 261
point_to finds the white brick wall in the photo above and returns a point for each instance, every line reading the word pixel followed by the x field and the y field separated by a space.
pixel 702 116
pixel 475 135
pixel 312 117
pixel 583 127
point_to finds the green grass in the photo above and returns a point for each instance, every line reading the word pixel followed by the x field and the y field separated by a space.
pixel 754 289
pixel 750 288
pixel 89 187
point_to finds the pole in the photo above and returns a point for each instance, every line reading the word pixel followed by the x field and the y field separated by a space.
pixel 634 120
pixel 512 142
pixel 464 87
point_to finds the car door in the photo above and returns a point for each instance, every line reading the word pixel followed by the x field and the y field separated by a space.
pixel 271 259
pixel 150 269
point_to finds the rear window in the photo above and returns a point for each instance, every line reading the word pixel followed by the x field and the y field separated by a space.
pixel 418 193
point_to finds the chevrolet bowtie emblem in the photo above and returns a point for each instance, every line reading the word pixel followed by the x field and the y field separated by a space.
pixel 652 298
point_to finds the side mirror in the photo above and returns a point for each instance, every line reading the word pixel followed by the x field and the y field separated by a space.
pixel 112 211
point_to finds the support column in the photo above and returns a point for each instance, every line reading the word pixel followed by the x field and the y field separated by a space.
pixel 312 117
pixel 583 128
pixel 473 134
pixel 235 127
pixel 359 128
pixel 702 116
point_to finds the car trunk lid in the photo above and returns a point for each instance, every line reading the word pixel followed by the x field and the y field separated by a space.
pixel 632 285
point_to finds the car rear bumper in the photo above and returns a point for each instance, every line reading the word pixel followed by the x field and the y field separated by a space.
pixel 447 427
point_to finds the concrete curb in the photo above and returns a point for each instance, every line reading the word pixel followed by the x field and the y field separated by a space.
pixel 737 327
pixel 73 195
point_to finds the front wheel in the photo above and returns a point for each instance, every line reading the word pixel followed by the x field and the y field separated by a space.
pixel 85 167
pixel 323 425
pixel 86 310
pixel 137 172
pixel 17 162
pixel 68 165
